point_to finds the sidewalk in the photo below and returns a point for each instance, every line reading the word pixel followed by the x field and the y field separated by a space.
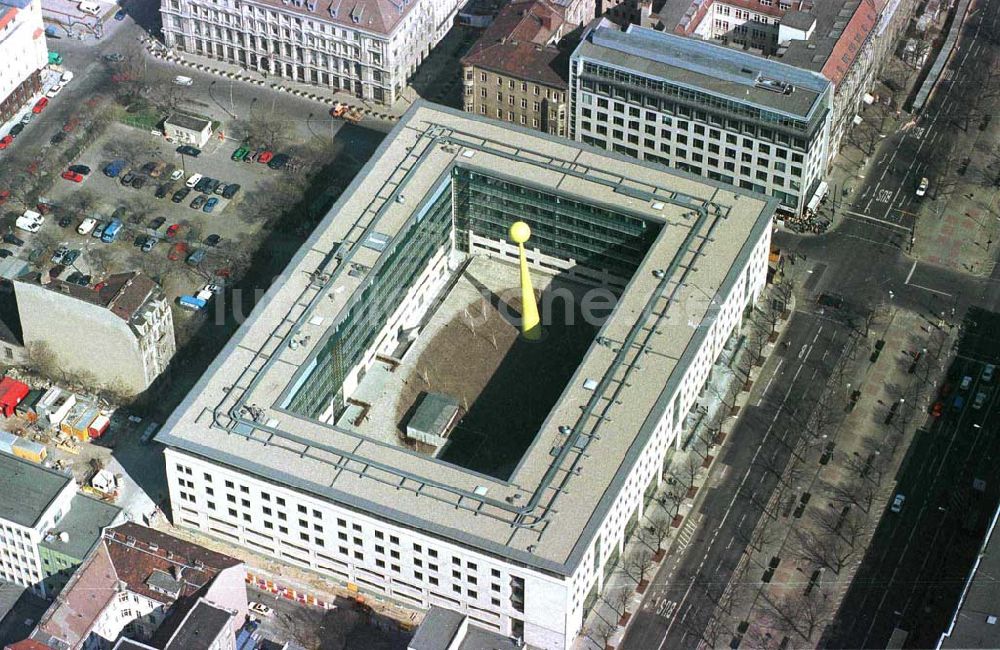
pixel 691 467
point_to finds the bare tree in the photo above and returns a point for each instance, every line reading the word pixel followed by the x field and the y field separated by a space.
pixel 658 530
pixel 81 202
pixel 673 496
pixel 823 550
pixel 859 493
pixel 130 149
pixel 640 560
pixel 42 361
pixel 692 468
pixel 619 599
pixel 800 614
pixel 847 524
pixel 601 632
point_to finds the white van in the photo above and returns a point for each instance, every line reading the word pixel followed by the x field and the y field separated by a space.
pixel 193 180
pixel 90 7
pixel 67 76
pixel 181 80
pixel 30 221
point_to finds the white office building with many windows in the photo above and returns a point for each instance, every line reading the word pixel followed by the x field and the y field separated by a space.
pixel 368 48
pixel 278 449
pixel 703 108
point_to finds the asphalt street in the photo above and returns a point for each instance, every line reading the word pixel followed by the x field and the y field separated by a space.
pixel 919 559
pixel 683 595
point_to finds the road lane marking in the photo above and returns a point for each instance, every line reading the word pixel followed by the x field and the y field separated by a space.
pixel 910 275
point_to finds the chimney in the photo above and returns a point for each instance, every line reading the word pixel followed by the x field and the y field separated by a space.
pixel 178 571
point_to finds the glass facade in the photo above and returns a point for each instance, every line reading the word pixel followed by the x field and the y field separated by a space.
pixel 372 304
pixel 596 237
pixel 561 227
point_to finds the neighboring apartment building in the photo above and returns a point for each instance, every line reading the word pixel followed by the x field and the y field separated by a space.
pixel 24 54
pixel 46 527
pixel 368 48
pixel 264 451
pixel 577 12
pixel 129 335
pixel 847 41
pixel 692 105
pixel 142 584
pixel 516 72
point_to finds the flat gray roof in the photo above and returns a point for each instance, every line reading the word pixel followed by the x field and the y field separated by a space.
pixel 84 524
pixel 976 623
pixel 202 625
pixel 438 629
pixel 710 68
pixel 188 122
pixel 27 489
pixel 551 502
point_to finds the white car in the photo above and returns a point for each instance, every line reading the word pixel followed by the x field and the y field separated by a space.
pixel 212 288
pixel 897 503
pixel 177 174
pixel 86 226
pixel 67 76
pixel 260 608
pixel 922 188
pixel 193 180
pixel 54 90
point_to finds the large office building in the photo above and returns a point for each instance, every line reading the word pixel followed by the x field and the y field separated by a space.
pixel 847 41
pixel 24 54
pixel 368 48
pixel 702 108
pixel 290 444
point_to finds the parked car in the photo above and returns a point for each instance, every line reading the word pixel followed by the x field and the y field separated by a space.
pixel 180 194
pixel 988 372
pixel 239 153
pixel 120 14
pixel 72 176
pixel 202 184
pixel 16 129
pixel 40 105
pixel 98 230
pixel 279 161
pixel 177 251
pixel 148 244
pixel 163 190
pixel 260 609
pixel 113 168
pixel 980 400
pixel 922 187
pixel 897 503
pixel 148 167
pixel 5 252
pixel 82 279
pixel 65 222
pixel 265 157
pixel 188 150
pixel 80 169
pixel 198 202
pixel 193 180
pixel 71 125
pixel 138 181
pixel 195 258
pixel 11 238
pixel 57 138
pixel 86 226
pixel 212 185
pixel 54 90
pixel 127 178
pixel 210 205
pixel 172 230
pixel 177 174
pixel 230 190
pixel 156 223
pixel 113 57
pixel 60 252
pixel 56 271
pixel 71 257
pixel 212 240
pixel 5 141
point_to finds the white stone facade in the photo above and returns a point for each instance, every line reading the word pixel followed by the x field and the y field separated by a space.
pixel 20 560
pixel 419 569
pixel 343 46
pixel 23 51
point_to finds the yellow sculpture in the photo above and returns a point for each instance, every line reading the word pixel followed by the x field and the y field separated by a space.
pixel 531 327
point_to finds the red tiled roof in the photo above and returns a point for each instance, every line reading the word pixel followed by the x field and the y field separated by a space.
pixel 518 43
pixel 135 561
pixel 82 600
pixel 122 293
pixel 7 17
pixel 27 644
pixel 848 46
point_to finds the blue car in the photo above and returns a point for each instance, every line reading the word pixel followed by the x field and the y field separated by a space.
pixel 120 15
pixel 210 205
pixel 114 168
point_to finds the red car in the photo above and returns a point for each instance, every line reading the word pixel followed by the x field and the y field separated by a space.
pixel 43 208
pixel 178 251
pixel 4 195
pixel 172 230
pixel 265 157
pixel 72 176
pixel 936 409
pixel 5 141
pixel 40 105
pixel 120 78
pixel 71 125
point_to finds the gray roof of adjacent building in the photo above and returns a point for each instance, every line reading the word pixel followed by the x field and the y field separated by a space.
pixel 27 489
pixel 200 628
pixel 189 122
pixel 976 622
pixel 83 526
pixel 713 69
pixel 441 629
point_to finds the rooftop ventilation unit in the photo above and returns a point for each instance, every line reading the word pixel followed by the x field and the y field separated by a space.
pixel 774 85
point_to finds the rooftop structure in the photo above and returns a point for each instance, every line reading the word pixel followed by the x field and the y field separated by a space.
pixel 443 629
pixel 684 256
pixel 204 628
pixel 161 573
